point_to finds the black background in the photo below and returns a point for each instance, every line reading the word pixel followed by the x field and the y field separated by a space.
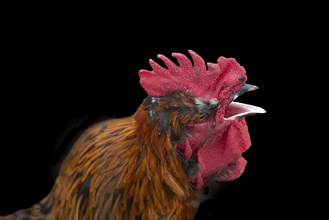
pixel 65 71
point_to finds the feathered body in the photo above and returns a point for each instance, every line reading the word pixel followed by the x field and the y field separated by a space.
pixel 151 165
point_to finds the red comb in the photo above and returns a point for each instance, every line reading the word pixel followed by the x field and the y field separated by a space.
pixel 197 79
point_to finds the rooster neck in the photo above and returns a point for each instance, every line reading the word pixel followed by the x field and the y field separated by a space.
pixel 158 136
pixel 157 155
pixel 157 169
pixel 113 172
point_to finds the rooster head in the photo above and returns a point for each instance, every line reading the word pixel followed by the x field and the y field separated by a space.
pixel 218 141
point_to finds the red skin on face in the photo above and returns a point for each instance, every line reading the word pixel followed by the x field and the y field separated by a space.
pixel 217 143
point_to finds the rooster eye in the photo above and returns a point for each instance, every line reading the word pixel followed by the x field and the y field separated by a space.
pixel 241 78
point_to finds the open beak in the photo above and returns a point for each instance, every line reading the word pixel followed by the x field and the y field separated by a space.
pixel 237 110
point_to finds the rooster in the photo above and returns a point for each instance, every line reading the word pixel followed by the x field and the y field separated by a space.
pixel 187 132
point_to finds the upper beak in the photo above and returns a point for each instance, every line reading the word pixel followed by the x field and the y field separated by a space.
pixel 245 88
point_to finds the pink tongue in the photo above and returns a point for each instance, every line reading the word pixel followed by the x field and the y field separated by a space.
pixel 222 152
